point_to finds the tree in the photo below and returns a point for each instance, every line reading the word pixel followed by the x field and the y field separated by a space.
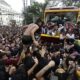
pixel 36 10
pixel 77 4
pixel 32 12
pixel 27 16
pixel 43 6
pixel 72 3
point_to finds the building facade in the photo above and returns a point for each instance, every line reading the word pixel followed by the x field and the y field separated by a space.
pixel 7 14
pixel 25 3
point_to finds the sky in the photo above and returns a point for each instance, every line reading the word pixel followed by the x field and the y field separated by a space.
pixel 17 5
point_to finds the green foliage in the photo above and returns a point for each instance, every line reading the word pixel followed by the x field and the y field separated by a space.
pixel 31 12
pixel 71 3
pixel 36 10
pixel 27 18
pixel 77 4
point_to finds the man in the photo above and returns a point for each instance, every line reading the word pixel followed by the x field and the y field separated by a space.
pixel 28 35
pixel 29 38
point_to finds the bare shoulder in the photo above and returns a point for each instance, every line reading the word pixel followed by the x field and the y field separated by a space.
pixel 33 25
pixel 26 26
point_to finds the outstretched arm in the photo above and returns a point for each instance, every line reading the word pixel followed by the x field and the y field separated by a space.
pixel 32 35
pixel 46 68
pixel 33 32
pixel 33 67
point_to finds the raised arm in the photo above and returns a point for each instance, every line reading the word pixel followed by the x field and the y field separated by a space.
pixel 33 67
pixel 45 69
pixel 33 31
pixel 22 56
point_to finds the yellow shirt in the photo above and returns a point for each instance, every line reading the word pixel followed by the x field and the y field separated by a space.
pixel 78 73
pixel 77 42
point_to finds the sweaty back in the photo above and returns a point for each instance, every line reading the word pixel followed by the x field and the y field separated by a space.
pixel 29 29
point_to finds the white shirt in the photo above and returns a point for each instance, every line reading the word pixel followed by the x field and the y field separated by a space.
pixel 70 36
pixel 53 33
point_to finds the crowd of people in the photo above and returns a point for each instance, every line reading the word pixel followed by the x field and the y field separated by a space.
pixel 25 56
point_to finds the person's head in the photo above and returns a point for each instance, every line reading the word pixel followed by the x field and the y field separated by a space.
pixel 12 70
pixel 7 41
pixel 39 22
pixel 71 62
pixel 13 45
pixel 3 42
pixel 36 52
pixel 6 48
pixel 68 19
pixel 78 23
pixel 55 26
pixel 28 62
pixel 50 25
pixel 3 55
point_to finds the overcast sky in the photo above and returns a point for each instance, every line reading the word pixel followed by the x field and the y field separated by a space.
pixel 17 5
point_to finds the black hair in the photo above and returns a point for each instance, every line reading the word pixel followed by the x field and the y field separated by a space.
pixel 28 62
pixel 78 60
pixel 68 19
pixel 1 55
pixel 38 21
pixel 20 73
pixel 36 54
pixel 2 75
pixel 2 65
pixel 78 23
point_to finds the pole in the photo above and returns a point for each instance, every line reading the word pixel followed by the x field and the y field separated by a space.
pixel 24 4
